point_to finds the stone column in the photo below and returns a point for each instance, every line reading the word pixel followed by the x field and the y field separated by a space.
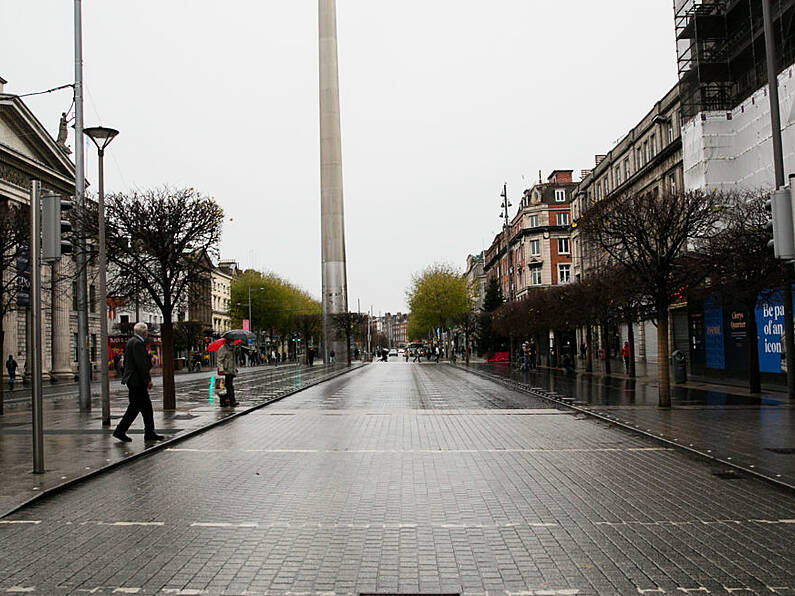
pixel 332 222
pixel 61 369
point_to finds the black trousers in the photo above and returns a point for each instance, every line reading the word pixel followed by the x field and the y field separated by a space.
pixel 139 403
pixel 229 383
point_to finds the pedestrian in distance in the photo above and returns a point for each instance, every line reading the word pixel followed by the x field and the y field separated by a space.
pixel 11 367
pixel 331 357
pixel 226 367
pixel 137 376
pixel 406 354
pixel 583 351
pixel 310 356
pixel 625 356
pixel 416 356
pixel 533 354
pixel 437 353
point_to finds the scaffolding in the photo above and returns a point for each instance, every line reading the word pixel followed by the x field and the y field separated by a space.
pixel 721 50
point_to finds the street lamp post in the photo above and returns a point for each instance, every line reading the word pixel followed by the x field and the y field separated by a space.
pixel 102 137
pixel 506 227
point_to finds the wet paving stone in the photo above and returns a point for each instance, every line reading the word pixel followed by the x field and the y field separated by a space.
pixel 407 478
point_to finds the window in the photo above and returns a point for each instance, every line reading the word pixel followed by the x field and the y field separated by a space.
pixel 92 299
pixel 653 142
pixel 535 248
pixel 535 276
pixel 564 273
pixel 93 347
pixel 626 169
pixel 672 184
pixel 562 219
pixel 671 129
pixel 618 176
pixel 74 297
pixel 638 159
pixel 74 347
pixel 645 152
pixel 532 221
pixel 560 195
pixel 563 246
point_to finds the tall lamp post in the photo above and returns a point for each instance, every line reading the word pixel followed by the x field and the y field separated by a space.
pixel 102 137
pixel 506 228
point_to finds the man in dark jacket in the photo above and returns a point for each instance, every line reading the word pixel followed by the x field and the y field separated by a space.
pixel 137 364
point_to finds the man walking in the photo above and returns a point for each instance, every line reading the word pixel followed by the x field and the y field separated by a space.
pixel 137 377
pixel 11 367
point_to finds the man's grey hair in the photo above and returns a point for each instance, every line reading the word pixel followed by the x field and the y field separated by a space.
pixel 141 329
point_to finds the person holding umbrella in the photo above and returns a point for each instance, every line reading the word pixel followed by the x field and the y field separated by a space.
pixel 226 367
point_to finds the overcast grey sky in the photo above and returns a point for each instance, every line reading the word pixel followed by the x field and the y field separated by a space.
pixel 442 101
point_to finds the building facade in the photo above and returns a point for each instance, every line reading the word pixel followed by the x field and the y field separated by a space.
pixel 539 239
pixel 476 279
pixel 29 152
pixel 221 296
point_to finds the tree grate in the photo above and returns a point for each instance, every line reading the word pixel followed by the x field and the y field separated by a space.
pixel 781 450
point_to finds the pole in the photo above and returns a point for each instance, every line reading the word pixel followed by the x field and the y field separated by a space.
pixel 103 293
pixel 250 326
pixel 504 195
pixel 84 361
pixel 35 326
pixel 778 169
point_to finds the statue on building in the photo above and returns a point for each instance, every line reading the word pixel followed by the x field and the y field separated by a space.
pixel 62 133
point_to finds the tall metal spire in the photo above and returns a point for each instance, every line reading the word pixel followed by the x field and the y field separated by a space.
pixel 332 221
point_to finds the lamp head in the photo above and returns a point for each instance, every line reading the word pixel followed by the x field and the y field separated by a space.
pixel 100 135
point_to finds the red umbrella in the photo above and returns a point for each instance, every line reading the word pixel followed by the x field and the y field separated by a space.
pixel 216 344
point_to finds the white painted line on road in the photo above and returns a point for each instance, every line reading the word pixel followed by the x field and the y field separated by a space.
pixel 20 521
pixel 211 525
pixel 429 451
pixel 19 589
pixel 126 590
pixel 130 523
pixel 651 591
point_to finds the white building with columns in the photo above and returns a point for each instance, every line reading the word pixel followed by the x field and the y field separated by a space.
pixel 29 152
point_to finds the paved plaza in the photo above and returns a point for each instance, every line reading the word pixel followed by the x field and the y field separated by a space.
pixel 407 478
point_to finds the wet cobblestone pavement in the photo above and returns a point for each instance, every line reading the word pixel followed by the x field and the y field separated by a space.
pixel 407 478
pixel 76 444
pixel 753 432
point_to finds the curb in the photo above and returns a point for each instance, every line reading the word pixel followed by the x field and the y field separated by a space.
pixel 162 445
pixel 559 400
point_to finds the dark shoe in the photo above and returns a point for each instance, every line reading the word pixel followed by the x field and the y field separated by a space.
pixel 225 403
pixel 153 437
pixel 233 403
pixel 121 437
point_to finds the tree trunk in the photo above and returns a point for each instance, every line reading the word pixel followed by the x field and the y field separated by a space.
pixel 631 340
pixel 663 376
pixel 789 336
pixel 588 348
pixel 606 347
pixel 754 378
pixel 348 333
pixel 466 351
pixel 2 388
pixel 167 363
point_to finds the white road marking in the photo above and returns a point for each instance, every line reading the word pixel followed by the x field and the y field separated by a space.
pixel 20 521
pixel 19 589
pixel 130 523
pixel 424 451
pixel 651 591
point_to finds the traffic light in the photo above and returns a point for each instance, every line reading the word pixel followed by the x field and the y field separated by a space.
pixel 53 227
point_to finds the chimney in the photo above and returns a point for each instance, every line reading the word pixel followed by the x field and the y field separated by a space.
pixel 599 158
pixel 2 84
pixel 584 173
pixel 560 176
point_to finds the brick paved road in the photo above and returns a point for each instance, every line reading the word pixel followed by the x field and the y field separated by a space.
pixel 404 477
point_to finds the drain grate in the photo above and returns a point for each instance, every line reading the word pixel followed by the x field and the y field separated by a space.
pixel 727 474
pixel 781 450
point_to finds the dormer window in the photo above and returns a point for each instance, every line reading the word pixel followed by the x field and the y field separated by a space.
pixel 560 195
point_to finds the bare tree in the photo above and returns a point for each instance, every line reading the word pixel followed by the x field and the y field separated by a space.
pixel 158 241
pixel 650 235
pixel 745 269
pixel 346 324
pixel 468 322
pixel 308 326
pixel 14 235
